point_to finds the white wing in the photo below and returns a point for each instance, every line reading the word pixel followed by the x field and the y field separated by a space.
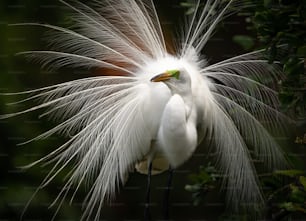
pixel 111 122
pixel 128 34
pixel 243 106
pixel 177 135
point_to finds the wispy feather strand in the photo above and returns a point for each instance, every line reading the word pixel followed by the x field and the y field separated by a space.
pixel 103 116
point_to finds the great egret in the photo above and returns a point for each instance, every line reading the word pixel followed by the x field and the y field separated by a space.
pixel 159 106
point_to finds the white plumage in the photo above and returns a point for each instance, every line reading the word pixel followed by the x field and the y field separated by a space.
pixel 117 122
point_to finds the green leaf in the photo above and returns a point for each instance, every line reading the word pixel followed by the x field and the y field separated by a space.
pixel 192 188
pixel 267 3
pixel 294 188
pixel 290 173
pixel 293 207
pixel 187 4
pixel 246 42
pixel 288 206
pixel 190 7
pixel 303 181
pixel 301 51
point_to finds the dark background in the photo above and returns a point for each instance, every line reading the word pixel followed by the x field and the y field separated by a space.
pixel 17 74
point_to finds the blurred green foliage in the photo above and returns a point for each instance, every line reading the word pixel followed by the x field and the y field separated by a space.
pixel 286 202
pixel 278 27
pixel 202 183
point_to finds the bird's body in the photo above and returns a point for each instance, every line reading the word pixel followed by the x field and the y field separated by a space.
pixel 162 106
pixel 178 117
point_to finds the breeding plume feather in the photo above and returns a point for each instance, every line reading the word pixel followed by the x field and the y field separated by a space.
pixel 150 108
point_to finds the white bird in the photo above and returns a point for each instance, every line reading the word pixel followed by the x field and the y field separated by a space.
pixel 159 107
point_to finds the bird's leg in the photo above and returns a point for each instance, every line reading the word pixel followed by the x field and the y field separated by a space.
pixel 147 214
pixel 167 194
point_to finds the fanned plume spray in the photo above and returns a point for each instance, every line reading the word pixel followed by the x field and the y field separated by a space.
pixel 107 117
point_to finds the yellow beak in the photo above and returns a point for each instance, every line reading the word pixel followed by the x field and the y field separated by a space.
pixel 166 76
pixel 161 77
